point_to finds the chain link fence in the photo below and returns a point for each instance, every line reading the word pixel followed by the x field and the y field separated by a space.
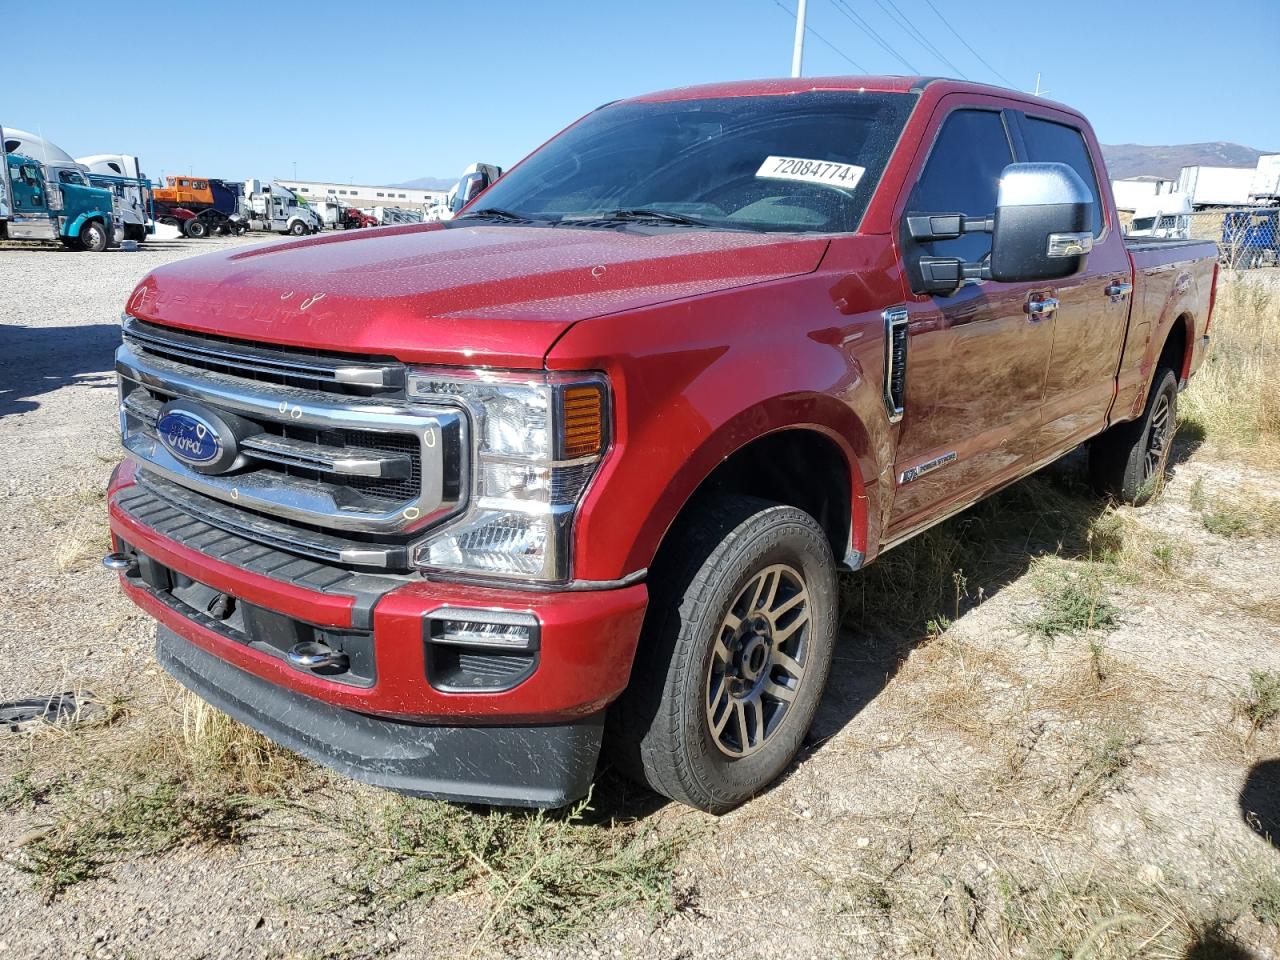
pixel 1247 237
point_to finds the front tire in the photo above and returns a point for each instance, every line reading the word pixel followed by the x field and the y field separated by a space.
pixel 298 228
pixel 734 655
pixel 1129 460
pixel 196 229
pixel 93 237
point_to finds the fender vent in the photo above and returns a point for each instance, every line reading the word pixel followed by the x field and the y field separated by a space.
pixel 895 361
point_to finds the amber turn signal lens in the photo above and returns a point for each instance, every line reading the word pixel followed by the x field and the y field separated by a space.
pixel 582 416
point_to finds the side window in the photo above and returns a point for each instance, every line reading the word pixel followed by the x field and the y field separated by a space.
pixel 1058 143
pixel 962 175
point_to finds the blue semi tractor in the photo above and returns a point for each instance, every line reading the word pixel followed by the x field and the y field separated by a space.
pixel 43 200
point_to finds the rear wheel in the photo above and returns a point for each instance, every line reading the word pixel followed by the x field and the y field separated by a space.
pixel 1129 461
pixel 736 648
pixel 93 237
pixel 196 229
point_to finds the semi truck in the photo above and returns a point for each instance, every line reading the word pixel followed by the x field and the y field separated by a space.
pixel 273 206
pixel 451 508
pixel 199 206
pixel 122 175
pixel 45 196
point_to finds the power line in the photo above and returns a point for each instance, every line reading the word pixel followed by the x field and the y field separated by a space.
pixel 857 20
pixel 948 25
pixel 897 15
pixel 808 29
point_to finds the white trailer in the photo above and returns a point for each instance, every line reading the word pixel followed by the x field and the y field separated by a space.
pixel 1215 186
pixel 274 207
pixel 1266 178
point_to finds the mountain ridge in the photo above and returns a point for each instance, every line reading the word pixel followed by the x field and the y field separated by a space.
pixel 427 183
pixel 1126 160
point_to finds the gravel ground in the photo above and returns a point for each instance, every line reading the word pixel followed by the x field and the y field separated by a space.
pixel 971 792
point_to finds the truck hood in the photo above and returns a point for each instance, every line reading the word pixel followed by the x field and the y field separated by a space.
pixel 486 294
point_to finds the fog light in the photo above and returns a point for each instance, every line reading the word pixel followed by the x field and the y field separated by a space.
pixel 493 629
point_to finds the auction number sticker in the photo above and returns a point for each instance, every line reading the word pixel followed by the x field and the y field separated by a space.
pixel 811 171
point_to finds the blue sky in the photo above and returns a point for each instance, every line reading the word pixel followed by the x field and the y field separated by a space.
pixel 384 92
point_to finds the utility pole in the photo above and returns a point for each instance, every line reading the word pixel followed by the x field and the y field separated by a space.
pixel 797 52
pixel 295 170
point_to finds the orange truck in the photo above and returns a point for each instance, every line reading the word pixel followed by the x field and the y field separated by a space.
pixel 193 193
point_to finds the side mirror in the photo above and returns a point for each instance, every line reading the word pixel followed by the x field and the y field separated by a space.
pixel 469 187
pixel 1043 227
pixel 1042 230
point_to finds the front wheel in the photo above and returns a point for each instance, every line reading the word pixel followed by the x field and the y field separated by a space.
pixel 298 228
pixel 93 237
pixel 1129 460
pixel 734 655
pixel 196 229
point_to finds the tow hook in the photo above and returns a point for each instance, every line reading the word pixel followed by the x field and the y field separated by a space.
pixel 120 563
pixel 314 655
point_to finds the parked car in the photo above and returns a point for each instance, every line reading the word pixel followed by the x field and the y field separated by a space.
pixel 447 509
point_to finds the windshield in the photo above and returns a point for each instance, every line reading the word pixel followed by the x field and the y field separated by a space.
pixel 70 176
pixel 804 162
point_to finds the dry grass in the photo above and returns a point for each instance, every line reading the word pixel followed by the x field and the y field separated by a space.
pixel 79 531
pixel 1234 400
pixel 142 785
pixel 545 876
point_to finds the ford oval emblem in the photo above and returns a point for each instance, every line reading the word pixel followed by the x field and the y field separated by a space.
pixel 189 437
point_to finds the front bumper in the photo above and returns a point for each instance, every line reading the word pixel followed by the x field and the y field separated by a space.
pixel 537 766
pixel 396 727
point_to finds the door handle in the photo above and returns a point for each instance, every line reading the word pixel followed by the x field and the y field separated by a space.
pixel 1119 288
pixel 1041 306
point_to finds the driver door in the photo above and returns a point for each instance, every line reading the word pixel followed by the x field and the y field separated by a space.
pixel 28 187
pixel 976 361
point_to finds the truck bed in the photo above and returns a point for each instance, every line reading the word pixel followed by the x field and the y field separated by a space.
pixel 1161 244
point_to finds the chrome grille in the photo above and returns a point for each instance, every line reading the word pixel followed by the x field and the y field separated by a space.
pixel 285 366
pixel 375 466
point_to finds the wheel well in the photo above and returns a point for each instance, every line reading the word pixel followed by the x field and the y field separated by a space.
pixel 801 468
pixel 1174 353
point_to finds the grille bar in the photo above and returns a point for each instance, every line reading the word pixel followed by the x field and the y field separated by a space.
pixel 349 461
pixel 180 514
pixel 235 357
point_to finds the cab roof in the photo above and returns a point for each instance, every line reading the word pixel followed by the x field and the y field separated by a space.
pixel 936 86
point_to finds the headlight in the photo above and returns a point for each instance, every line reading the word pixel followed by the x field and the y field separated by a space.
pixel 538 439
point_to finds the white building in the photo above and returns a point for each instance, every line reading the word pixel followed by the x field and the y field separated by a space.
pixel 363 196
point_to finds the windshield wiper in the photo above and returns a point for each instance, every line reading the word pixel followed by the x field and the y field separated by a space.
pixel 637 214
pixel 496 213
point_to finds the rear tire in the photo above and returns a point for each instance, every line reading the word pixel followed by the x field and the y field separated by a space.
pixel 1129 461
pixel 93 237
pixel 734 655
pixel 196 229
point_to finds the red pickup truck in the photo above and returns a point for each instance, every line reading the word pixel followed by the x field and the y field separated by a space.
pixel 448 506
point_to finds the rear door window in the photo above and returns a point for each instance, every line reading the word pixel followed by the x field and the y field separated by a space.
pixel 1050 142
pixel 962 175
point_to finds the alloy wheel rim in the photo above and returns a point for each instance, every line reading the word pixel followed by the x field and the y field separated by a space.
pixel 1158 437
pixel 758 661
